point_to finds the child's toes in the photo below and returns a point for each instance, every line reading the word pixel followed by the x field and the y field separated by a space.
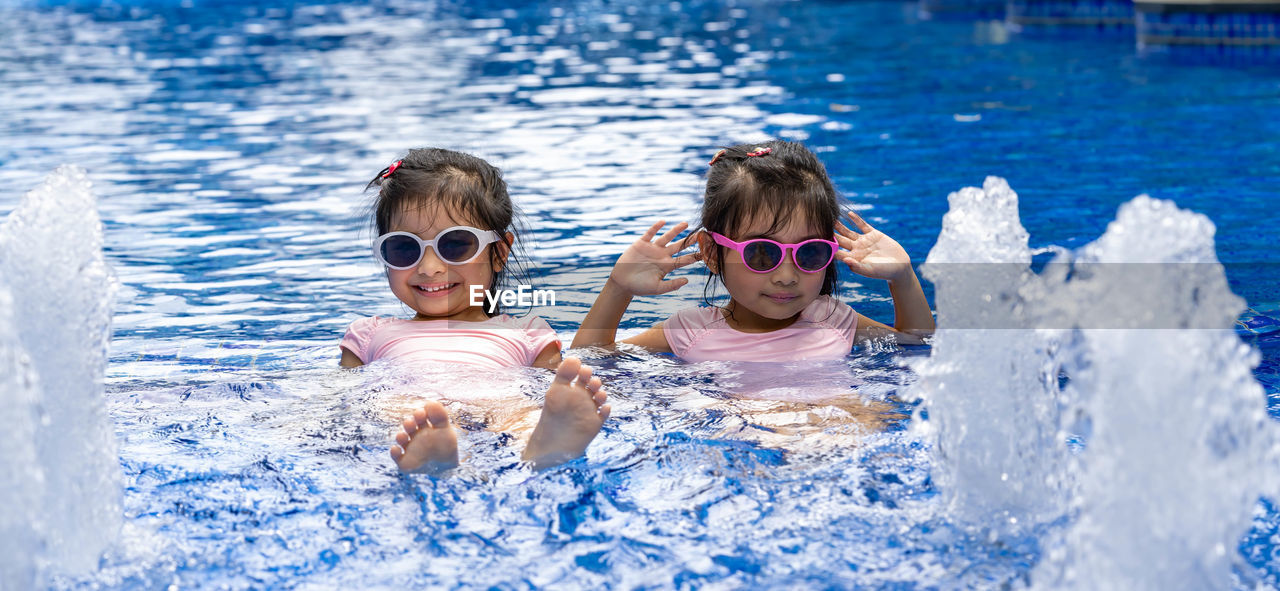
pixel 410 425
pixel 434 414
pixel 567 370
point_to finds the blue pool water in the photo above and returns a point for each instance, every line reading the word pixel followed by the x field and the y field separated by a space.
pixel 228 144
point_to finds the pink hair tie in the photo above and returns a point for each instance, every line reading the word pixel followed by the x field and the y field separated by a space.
pixel 716 158
pixel 392 168
pixel 760 151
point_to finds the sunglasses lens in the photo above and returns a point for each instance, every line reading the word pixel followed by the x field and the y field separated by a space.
pixel 761 256
pixel 457 246
pixel 813 256
pixel 400 251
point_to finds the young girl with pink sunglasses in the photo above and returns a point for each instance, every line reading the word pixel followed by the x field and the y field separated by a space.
pixel 444 223
pixel 770 233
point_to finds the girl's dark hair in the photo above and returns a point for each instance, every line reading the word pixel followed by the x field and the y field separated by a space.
pixel 469 187
pixel 787 181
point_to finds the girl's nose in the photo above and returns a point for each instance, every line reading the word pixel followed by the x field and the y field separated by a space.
pixel 786 273
pixel 431 263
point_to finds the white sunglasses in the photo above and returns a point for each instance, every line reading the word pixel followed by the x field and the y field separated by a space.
pixel 458 245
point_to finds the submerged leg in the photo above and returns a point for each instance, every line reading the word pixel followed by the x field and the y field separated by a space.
pixel 428 442
pixel 571 416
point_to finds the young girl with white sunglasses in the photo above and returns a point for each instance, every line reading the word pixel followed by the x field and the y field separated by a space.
pixel 444 224
pixel 770 234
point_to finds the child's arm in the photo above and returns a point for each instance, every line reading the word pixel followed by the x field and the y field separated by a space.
pixel 349 359
pixel 639 271
pixel 653 339
pixel 874 254
pixel 549 358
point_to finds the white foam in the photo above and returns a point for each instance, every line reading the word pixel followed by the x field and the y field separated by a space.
pixel 53 352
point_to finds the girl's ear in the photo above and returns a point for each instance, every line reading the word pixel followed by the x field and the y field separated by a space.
pixel 707 246
pixel 503 249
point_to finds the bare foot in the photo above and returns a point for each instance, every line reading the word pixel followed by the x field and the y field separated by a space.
pixel 571 416
pixel 428 442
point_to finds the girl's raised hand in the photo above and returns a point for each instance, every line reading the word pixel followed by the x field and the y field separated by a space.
pixel 872 253
pixel 641 268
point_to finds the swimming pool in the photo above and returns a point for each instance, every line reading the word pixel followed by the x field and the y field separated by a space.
pixel 228 143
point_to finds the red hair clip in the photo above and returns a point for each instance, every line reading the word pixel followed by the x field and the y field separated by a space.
pixel 760 151
pixel 716 158
pixel 392 168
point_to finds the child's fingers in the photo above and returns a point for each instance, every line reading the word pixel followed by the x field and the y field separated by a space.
pixel 843 230
pixel 852 256
pixel 685 242
pixel 860 223
pixel 687 259
pixel 852 248
pixel 845 241
pixel 852 264
pixel 855 265
pixel 653 230
pixel 671 234
pixel 671 285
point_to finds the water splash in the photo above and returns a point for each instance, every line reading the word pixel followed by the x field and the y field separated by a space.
pixel 56 294
pixel 1176 439
pixel 1180 436
pixel 993 408
pixel 20 541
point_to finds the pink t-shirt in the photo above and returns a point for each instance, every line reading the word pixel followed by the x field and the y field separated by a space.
pixel 824 330
pixel 501 341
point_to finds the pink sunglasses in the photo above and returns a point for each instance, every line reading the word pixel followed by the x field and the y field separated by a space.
pixel 763 255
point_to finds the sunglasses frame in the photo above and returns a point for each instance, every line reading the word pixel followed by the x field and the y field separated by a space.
pixel 794 247
pixel 485 238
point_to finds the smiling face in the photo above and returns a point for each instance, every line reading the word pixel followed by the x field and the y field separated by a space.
pixel 435 289
pixel 761 302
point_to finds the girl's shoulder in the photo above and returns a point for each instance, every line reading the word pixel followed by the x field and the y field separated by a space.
pixel 689 327
pixel 368 324
pixel 360 334
pixel 694 318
